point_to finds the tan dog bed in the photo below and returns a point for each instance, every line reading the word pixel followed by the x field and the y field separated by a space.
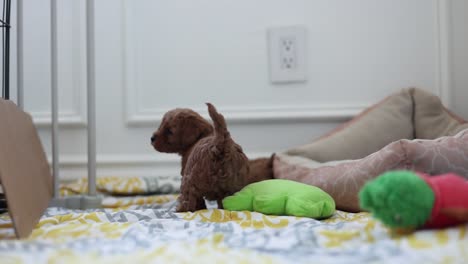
pixel 407 130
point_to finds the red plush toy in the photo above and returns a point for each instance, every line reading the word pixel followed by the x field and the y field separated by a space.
pixel 404 199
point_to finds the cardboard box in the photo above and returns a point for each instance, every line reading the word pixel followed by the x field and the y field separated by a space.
pixel 25 175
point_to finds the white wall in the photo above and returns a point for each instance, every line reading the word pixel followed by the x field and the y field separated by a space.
pixel 152 56
pixel 459 55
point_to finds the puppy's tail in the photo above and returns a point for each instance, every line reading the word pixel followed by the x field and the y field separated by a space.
pixel 220 129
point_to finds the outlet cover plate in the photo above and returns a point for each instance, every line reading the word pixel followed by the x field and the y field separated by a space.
pixel 287 56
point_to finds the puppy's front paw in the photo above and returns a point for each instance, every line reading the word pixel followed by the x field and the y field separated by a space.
pixel 189 206
pixel 181 207
pixel 182 204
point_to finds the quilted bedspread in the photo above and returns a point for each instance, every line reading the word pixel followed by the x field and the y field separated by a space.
pixel 145 229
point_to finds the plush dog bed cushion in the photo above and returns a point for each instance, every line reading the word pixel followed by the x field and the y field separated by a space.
pixel 432 119
pixel 377 126
pixel 363 150
pixel 343 179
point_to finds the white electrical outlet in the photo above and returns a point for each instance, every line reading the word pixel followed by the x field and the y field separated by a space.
pixel 287 55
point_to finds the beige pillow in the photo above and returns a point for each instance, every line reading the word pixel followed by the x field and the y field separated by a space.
pixel 343 179
pixel 432 119
pixel 374 128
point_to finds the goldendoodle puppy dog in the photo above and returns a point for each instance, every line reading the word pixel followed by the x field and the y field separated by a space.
pixel 213 165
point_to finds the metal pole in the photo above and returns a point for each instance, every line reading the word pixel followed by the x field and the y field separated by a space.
pixel 54 81
pixel 19 53
pixel 7 50
pixel 91 97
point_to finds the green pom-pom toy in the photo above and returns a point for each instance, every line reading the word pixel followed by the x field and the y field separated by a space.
pixel 398 199
pixel 408 200
pixel 282 197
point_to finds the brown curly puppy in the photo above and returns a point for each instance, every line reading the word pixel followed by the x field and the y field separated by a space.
pixel 224 169
pixel 178 132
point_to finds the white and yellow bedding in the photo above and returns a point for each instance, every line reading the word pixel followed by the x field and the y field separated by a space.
pixel 144 229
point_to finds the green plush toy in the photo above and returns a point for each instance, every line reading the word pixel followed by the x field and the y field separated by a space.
pixel 282 197
pixel 407 200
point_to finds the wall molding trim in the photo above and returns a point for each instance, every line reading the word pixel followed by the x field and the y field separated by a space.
pixel 69 119
pixel 135 116
pixel 443 46
pixel 239 114
pixel 76 116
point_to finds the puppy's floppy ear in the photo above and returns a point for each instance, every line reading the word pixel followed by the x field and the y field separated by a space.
pixel 194 128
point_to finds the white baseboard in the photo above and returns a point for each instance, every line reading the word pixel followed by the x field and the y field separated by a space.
pixel 75 166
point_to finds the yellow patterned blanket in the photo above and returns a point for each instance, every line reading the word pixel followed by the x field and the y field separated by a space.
pixel 145 229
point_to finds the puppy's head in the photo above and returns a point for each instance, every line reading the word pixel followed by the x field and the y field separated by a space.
pixel 179 130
